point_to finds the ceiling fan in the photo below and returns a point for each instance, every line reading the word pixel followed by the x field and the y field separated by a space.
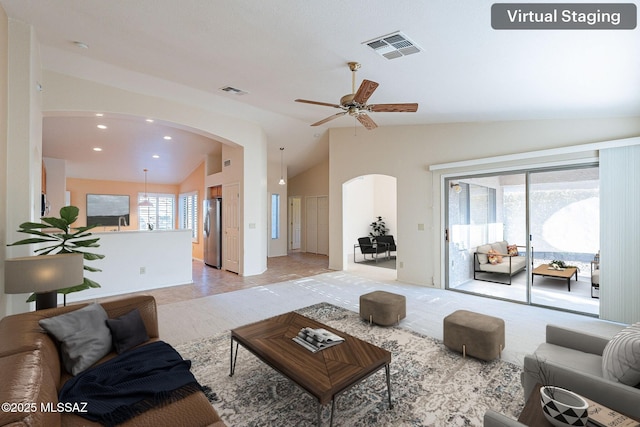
pixel 355 103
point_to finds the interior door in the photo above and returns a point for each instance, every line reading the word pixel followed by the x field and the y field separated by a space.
pixel 295 216
pixel 231 227
pixel 312 224
pixel 323 225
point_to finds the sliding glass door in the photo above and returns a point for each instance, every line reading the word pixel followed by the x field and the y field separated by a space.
pixel 487 213
pixel 504 230
pixel 565 231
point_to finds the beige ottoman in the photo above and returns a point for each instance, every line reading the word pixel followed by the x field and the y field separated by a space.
pixel 383 308
pixel 475 334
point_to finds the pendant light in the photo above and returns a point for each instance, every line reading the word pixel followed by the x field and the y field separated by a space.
pixel 146 201
pixel 281 182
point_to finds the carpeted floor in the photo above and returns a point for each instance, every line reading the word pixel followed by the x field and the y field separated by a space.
pixel 431 385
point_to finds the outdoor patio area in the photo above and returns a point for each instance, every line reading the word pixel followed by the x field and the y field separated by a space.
pixel 546 291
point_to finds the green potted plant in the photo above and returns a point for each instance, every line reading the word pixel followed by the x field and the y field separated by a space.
pixel 67 240
pixel 378 228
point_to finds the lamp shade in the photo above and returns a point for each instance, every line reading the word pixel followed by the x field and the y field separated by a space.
pixel 46 273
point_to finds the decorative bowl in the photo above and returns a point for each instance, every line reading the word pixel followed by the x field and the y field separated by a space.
pixel 562 407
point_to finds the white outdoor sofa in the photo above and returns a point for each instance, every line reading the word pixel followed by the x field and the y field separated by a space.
pixel 510 265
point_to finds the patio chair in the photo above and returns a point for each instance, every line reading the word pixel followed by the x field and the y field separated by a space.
pixel 367 247
pixel 595 276
pixel 388 239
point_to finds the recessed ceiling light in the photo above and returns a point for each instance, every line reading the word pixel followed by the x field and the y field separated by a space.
pixel 168 138
pixel 99 114
pixel 97 149
pixel 149 120
pixel 155 156
pixel 101 127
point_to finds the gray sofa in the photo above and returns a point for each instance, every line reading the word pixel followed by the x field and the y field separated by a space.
pixel 573 360
pixel 510 264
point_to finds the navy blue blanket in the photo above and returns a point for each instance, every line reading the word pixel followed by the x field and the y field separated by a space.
pixel 131 383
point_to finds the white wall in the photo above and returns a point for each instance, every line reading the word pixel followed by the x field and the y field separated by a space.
pixel 24 143
pixel 409 150
pixel 386 201
pixel 4 48
pixel 56 173
pixel 66 95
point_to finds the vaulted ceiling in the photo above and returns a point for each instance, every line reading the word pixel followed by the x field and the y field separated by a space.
pixel 279 50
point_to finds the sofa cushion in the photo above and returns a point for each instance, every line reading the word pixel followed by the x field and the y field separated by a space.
pixel 494 257
pixel 621 356
pixel 575 359
pixel 512 250
pixel 127 331
pixel 500 247
pixel 482 251
pixel 83 335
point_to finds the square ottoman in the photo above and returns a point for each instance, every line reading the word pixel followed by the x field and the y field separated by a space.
pixel 475 334
pixel 383 308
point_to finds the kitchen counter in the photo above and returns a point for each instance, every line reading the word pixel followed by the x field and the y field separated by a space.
pixel 136 261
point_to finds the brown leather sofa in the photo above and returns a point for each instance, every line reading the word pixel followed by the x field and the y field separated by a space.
pixel 31 373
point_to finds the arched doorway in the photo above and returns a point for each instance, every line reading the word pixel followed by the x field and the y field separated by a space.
pixel 364 199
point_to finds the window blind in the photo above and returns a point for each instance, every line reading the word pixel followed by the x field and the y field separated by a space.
pixel 620 234
pixel 160 216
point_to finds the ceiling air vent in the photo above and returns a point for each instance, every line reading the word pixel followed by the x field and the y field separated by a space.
pixel 233 90
pixel 394 45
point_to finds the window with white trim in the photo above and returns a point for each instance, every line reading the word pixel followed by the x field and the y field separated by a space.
pixel 159 215
pixel 189 213
pixel 275 216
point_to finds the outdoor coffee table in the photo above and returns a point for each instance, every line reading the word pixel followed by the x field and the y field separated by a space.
pixel 566 273
pixel 324 374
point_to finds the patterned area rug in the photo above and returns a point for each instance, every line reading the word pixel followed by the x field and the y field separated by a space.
pixel 430 385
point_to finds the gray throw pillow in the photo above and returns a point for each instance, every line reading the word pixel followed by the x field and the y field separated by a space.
pixel 621 356
pixel 127 331
pixel 83 335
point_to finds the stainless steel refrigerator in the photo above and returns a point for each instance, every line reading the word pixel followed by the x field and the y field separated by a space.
pixel 212 232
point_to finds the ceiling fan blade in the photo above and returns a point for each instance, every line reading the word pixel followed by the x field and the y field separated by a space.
pixel 366 89
pixel 393 108
pixel 367 121
pixel 326 104
pixel 335 116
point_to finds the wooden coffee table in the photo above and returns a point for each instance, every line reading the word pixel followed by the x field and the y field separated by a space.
pixel 544 270
pixel 324 374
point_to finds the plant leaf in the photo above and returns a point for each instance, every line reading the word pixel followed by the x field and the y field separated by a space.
pixel 78 288
pixel 31 225
pixel 93 269
pixel 91 283
pixel 57 223
pixel 30 241
pixel 69 214
pixel 87 243
pixel 91 256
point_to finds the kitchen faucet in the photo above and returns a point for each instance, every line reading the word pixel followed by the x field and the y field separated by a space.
pixel 122 221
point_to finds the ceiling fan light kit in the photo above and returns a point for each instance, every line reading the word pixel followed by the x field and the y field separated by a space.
pixel 355 103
